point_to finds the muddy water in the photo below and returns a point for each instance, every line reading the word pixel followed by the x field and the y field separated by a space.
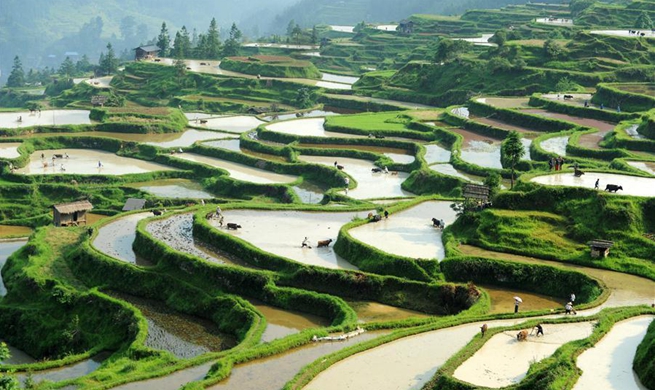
pixel 9 149
pixel 483 153
pixel 645 166
pixel 85 162
pixel 281 323
pixel 50 117
pixel 16 356
pixel 76 370
pixel 187 138
pixel 502 300
pixel 177 232
pixel 632 185
pixel 482 40
pixel 116 238
pixel 369 185
pixel 608 365
pixel 621 33
pixel 461 111
pixel 505 102
pixel 282 233
pixel 586 140
pixel 309 193
pixel 503 360
pixel 448 169
pixel 436 154
pixel 387 27
pixel 625 289
pixel 14 231
pixel 377 312
pixel 578 98
pixel 632 132
pixel 173 188
pixel 407 363
pixel 7 247
pixel 173 381
pixel 182 335
pixel 556 21
pixel 556 145
pixel 307 127
pixel 409 232
pixel 239 171
pixel 231 124
pixel 401 156
pixel 273 372
pixel 192 116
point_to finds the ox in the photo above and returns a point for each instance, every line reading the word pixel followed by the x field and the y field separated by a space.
pixel 522 335
pixel 233 226
pixel 376 170
pixel 613 188
pixel 568 97
pixel 324 243
pixel 157 212
pixel 483 329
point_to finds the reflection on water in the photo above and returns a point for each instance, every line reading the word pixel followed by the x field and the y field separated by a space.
pixel 409 232
pixel 9 150
pixel 309 193
pixel 645 166
pixel 632 185
pixel 86 162
pixel 556 145
pixel 370 185
pixel 335 78
pixel 483 154
pixel 368 311
pixel 177 232
pixel 435 153
pixel 448 169
pixel 182 335
pixel 72 371
pixel 310 114
pixel 502 300
pixel 307 127
pixel 116 238
pixel 608 365
pixel 48 117
pixel 282 232
pixel 239 171
pixel 282 322
pixel 232 124
pixel 173 188
pixel 6 249
pixel 16 356
pixel 274 371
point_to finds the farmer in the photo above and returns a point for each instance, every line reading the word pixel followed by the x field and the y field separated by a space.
pixel 597 183
pixel 305 243
pixel 540 330
pixel 386 214
pixel 517 302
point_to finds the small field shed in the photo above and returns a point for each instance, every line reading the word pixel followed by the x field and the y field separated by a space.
pixel 71 214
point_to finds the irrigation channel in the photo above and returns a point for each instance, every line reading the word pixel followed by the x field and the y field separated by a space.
pixel 410 362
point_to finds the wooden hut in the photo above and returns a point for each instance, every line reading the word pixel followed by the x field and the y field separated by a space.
pixel 600 248
pixel 406 27
pixel 146 52
pixel 476 192
pixel 71 214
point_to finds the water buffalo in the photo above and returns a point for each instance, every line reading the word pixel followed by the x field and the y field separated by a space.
pixel 568 97
pixel 376 170
pixel 483 329
pixel 157 212
pixel 613 188
pixel 522 335
pixel 324 243
pixel 233 226
pixel 577 173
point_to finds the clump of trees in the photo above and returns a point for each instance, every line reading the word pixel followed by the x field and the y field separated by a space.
pixel 511 152
pixel 202 46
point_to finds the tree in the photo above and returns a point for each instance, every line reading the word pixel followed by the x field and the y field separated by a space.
pixel 304 98
pixel 17 75
pixel 448 49
pixel 552 49
pixel 499 38
pixel 83 64
pixel 108 62
pixel 67 68
pixel 292 24
pixel 644 21
pixel 492 181
pixel 128 28
pixel 511 152
pixel 314 37
pixel 213 41
pixel 163 40
pixel 296 33
pixel 231 47
pixel 180 70
pixel 7 382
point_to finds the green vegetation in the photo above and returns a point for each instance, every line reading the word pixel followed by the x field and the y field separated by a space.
pixel 643 362
pixel 71 296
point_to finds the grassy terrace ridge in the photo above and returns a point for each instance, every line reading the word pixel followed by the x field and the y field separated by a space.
pixel 271 66
pixel 418 94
